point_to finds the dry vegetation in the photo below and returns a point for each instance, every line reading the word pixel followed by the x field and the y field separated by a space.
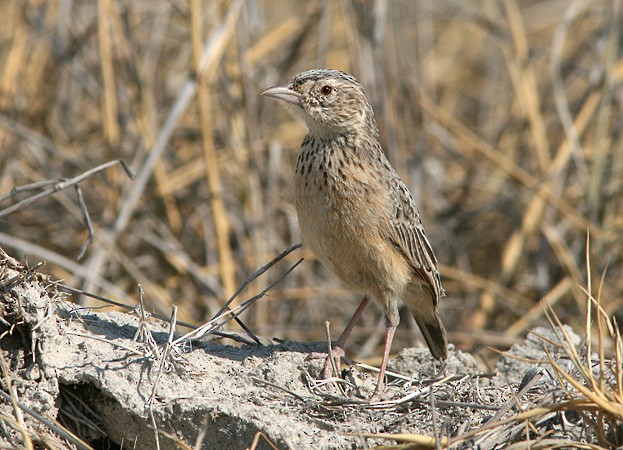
pixel 504 118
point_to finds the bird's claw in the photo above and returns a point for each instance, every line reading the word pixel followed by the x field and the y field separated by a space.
pixel 332 359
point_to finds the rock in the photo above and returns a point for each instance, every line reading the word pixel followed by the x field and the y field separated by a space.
pixel 85 369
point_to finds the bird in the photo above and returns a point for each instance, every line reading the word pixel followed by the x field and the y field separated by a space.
pixel 356 214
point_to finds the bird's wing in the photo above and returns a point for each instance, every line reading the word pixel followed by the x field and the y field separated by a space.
pixel 409 237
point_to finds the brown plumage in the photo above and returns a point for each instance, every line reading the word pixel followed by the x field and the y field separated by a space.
pixel 354 211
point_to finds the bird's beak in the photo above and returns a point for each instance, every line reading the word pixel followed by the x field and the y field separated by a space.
pixel 284 93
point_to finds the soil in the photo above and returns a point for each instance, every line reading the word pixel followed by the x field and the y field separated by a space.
pixel 117 381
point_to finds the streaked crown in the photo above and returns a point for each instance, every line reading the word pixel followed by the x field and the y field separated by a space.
pixel 329 101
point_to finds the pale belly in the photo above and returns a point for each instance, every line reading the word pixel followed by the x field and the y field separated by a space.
pixel 347 232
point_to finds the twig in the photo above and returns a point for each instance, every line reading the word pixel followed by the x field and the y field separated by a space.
pixel 433 413
pixel 165 353
pixel 59 260
pixel 19 417
pixel 418 439
pixel 142 314
pixel 256 441
pixel 163 360
pixel 214 323
pixel 427 381
pixel 229 335
pixel 202 434
pixel 255 275
pixel 71 411
pixel 27 187
pixel 152 418
pixel 55 427
pixel 62 184
pixel 67 394
pixel 534 377
pixel 113 343
pixel 330 356
pixel 86 219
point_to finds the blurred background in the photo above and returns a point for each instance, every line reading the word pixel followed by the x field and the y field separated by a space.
pixel 503 118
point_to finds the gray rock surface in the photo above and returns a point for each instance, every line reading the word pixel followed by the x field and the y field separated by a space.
pixel 86 370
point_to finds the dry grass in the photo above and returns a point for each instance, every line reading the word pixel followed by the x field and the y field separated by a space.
pixel 502 117
pixel 573 399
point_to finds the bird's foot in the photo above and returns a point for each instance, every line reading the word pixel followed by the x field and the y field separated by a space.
pixel 333 360
pixel 442 369
pixel 377 395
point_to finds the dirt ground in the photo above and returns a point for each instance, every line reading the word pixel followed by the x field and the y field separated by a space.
pixel 84 378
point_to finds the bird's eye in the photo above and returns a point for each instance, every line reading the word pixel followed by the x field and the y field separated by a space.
pixel 326 90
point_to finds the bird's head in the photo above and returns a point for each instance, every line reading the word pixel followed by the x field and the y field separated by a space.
pixel 330 101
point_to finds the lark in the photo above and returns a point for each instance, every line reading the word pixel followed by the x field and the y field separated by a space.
pixel 356 214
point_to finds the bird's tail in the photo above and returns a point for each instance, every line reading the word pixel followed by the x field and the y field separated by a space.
pixel 434 333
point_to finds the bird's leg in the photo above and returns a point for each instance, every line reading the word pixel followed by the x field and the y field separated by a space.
pixel 337 352
pixel 389 337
